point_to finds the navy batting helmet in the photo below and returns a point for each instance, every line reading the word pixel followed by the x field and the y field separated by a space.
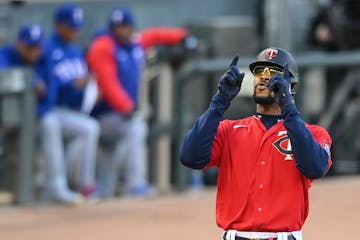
pixel 278 57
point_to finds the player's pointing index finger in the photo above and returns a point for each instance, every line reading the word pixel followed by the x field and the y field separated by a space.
pixel 234 61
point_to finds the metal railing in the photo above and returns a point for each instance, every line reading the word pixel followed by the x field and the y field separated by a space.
pixel 17 103
pixel 18 88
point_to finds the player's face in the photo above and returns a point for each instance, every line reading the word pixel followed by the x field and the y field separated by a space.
pixel 67 33
pixel 262 75
pixel 123 32
pixel 29 53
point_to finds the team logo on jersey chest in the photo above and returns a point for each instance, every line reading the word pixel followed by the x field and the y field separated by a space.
pixel 283 145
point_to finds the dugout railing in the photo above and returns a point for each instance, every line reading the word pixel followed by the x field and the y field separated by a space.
pixel 169 122
pixel 17 134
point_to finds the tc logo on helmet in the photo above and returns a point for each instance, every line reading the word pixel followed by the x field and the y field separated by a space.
pixel 271 53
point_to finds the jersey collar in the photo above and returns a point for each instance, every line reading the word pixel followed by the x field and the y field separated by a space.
pixel 259 116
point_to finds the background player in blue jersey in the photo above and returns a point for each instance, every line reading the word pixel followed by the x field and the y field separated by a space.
pixel 26 52
pixel 66 69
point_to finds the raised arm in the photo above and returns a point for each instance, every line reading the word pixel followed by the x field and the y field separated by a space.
pixel 162 36
pixel 312 155
pixel 196 150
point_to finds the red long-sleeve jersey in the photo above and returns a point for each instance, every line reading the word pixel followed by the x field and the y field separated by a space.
pixel 259 186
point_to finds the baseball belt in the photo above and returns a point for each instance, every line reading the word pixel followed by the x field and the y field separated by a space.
pixel 290 237
pixel 242 238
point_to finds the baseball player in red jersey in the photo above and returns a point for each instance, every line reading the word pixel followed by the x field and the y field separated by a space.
pixel 266 161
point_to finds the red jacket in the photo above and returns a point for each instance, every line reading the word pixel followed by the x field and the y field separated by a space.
pixel 107 68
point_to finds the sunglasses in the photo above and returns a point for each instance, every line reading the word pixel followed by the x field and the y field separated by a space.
pixel 271 71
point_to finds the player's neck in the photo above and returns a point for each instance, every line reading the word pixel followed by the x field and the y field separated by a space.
pixel 268 109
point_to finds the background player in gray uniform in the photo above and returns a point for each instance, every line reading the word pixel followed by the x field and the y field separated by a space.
pixel 64 127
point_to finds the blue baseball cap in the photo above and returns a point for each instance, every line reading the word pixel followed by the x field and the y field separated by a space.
pixel 31 34
pixel 121 16
pixel 70 15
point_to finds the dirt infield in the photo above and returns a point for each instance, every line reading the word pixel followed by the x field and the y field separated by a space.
pixel 334 214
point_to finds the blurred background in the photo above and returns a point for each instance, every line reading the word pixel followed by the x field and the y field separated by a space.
pixel 179 80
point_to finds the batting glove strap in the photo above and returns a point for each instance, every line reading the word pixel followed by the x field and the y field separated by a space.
pixel 289 111
pixel 220 102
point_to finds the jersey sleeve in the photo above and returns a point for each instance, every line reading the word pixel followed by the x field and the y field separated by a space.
pixel 161 36
pixel 322 137
pixel 198 145
pixel 217 146
pixel 312 160
pixel 81 67
pixel 3 59
pixel 102 62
